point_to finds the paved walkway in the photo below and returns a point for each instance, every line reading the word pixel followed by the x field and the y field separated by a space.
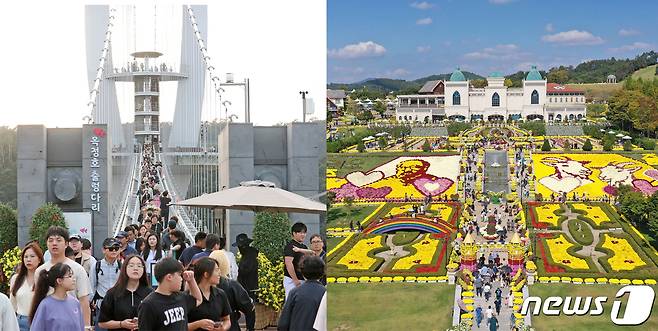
pixel 394 251
pixel 504 322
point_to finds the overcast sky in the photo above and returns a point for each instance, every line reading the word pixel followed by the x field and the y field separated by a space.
pixel 279 45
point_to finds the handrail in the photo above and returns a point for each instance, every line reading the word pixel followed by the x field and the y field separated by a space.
pixel 186 223
pixel 121 221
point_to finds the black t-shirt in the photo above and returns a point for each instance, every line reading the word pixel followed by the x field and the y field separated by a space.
pixel 297 258
pixel 118 307
pixel 213 308
pixel 165 312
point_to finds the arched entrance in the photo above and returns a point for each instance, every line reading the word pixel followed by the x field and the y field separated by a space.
pixel 535 117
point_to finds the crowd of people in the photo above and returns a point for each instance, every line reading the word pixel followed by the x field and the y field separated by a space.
pixel 150 277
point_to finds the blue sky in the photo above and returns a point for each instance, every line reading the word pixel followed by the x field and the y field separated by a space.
pixel 413 39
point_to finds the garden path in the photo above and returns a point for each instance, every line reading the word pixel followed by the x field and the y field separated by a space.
pixel 585 251
pixel 394 252
pixel 504 322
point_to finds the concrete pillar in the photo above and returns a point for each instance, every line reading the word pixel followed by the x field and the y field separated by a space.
pixel 31 176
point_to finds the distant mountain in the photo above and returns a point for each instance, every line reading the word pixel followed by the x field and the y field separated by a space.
pixel 385 85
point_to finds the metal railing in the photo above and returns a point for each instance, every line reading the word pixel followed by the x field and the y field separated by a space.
pixel 188 226
pixel 130 194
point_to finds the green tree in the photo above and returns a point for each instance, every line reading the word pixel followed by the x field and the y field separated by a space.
pixel 360 147
pixel 595 110
pixel 546 147
pixel 271 232
pixel 426 146
pixel 380 108
pixel 45 217
pixel 587 146
pixel 509 82
pixel 8 230
pixel 628 146
pixel 560 76
pixel 607 145
pixel 633 205
pixel 478 83
pixel 365 115
pixel 382 142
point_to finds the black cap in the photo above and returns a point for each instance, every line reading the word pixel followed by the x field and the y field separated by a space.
pixel 172 224
pixel 242 240
pixel 110 242
pixel 121 234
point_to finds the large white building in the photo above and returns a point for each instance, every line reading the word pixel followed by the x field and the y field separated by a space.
pixel 455 99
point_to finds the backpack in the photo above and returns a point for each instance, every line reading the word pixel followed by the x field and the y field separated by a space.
pixel 98 267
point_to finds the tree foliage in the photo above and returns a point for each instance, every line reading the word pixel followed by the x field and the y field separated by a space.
pixel 587 146
pixel 9 228
pixel 271 232
pixel 46 216
pixel 8 192
pixel 635 107
pixel 546 146
pixel 426 146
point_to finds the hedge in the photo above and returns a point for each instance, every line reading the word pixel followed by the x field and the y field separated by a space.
pixel 609 253
pixel 587 237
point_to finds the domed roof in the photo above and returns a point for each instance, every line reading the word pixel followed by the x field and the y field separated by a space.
pixel 496 74
pixel 612 76
pixel 457 76
pixel 534 74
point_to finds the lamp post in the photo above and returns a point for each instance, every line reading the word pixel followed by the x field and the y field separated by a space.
pixel 303 93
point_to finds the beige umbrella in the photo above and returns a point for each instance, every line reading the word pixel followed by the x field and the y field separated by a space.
pixel 256 196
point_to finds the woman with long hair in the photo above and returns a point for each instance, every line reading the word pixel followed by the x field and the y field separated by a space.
pixel 153 251
pixel 214 312
pixel 140 245
pixel 120 304
pixel 21 290
pixel 58 311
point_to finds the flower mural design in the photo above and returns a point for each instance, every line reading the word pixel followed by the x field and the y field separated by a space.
pixel 558 248
pixel 425 251
pixel 595 213
pixel 625 257
pixel 595 175
pixel 357 258
pixel 408 176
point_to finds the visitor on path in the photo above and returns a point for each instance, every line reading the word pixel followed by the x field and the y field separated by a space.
pixel 499 293
pixel 21 284
pixel 121 302
pixel 105 275
pixel 248 267
pixel 493 323
pixel 510 299
pixel 238 297
pixel 198 247
pixel 488 313
pixel 214 311
pixel 478 315
pixel 478 286
pixel 125 250
pixel 301 306
pixel 153 253
pixel 512 320
pixel 292 272
pixel 167 308
pixel 166 238
pixel 85 260
pixel 57 240
pixel 487 291
pixel 498 304
pixel 58 311
pixel 177 243
pixel 212 244
pixel 8 320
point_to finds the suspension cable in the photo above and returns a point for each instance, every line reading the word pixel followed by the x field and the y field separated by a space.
pixel 93 95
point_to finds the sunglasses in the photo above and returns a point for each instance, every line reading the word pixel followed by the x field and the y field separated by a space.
pixel 112 249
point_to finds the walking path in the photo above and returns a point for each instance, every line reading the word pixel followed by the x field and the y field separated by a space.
pixel 503 317
pixel 394 252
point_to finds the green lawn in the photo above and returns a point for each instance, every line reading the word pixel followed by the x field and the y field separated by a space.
pixel 596 90
pixel 333 242
pixel 339 216
pixel 390 306
pixel 647 73
pixel 586 322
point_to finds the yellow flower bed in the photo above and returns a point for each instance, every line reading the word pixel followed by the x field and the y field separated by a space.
pixel 546 213
pixel 595 213
pixel 331 172
pixel 558 248
pixel 425 250
pixel 625 257
pixel 650 159
pixel 357 258
pixel 444 210
pixel 585 173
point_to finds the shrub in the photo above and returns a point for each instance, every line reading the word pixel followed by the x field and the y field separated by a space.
pixel 607 145
pixel 45 217
pixel 426 146
pixel 8 230
pixel 454 128
pixel 271 232
pixel 587 146
pixel 628 146
pixel 546 146
pixel 360 147
pixel 647 143
pixel 538 128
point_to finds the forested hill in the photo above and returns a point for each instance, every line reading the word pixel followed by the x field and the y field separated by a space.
pixel 594 71
pixel 385 85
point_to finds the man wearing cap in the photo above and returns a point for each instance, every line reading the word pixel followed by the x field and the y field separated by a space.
pixel 82 258
pixel 105 273
pixel 165 240
pixel 126 251
pixel 248 267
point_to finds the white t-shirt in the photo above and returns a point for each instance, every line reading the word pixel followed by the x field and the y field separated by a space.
pixel 489 313
pixel 23 299
pixel 82 286
pixel 8 321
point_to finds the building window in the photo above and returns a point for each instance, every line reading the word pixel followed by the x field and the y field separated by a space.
pixel 495 100
pixel 560 99
pixel 456 99
pixel 534 98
